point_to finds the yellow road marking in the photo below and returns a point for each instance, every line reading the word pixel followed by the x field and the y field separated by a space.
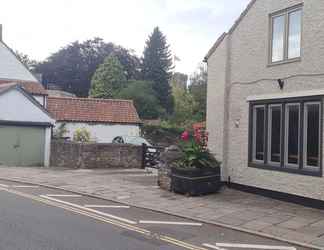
pixel 90 210
pixel 106 220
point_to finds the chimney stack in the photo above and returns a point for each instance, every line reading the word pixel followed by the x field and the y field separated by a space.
pixel 0 32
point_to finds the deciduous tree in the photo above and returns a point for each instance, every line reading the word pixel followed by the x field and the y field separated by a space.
pixel 142 94
pixel 73 66
pixel 108 79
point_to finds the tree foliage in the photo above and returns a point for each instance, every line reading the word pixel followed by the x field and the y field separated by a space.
pixel 184 108
pixel 142 94
pixel 81 135
pixel 108 79
pixel 157 66
pixel 73 66
pixel 198 89
pixel 26 60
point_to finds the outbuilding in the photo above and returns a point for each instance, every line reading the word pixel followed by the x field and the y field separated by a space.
pixel 104 119
pixel 25 128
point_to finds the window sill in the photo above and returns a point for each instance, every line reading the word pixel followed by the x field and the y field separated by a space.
pixel 271 64
pixel 291 170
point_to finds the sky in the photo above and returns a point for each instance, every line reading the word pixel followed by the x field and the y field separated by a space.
pixel 39 28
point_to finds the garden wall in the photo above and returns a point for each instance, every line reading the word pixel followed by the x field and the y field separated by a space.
pixel 95 155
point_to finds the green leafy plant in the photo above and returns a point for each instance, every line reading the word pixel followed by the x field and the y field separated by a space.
pixel 81 135
pixel 61 131
pixel 196 153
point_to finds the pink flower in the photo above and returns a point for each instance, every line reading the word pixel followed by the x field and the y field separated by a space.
pixel 185 136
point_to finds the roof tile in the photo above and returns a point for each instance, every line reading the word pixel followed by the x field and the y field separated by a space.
pixel 92 110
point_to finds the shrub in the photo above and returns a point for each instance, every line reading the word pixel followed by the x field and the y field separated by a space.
pixel 81 135
pixel 61 131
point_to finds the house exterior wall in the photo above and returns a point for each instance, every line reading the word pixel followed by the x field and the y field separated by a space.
pixel 102 133
pixel 11 68
pixel 15 106
pixel 216 99
pixel 248 64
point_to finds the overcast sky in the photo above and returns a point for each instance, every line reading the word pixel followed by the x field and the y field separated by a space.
pixel 40 27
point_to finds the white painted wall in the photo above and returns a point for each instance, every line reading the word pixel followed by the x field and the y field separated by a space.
pixel 15 106
pixel 103 133
pixel 47 149
pixel 11 67
pixel 40 99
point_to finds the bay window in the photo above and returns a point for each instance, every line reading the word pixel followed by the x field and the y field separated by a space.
pixel 292 139
pixel 258 137
pixel 285 135
pixel 312 135
pixel 274 133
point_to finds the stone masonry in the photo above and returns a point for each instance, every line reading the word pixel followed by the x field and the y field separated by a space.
pixel 95 155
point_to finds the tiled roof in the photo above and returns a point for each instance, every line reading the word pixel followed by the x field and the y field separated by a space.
pixel 92 110
pixel 34 88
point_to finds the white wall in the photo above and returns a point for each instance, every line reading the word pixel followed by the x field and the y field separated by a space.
pixel 216 89
pixel 47 147
pixel 15 106
pixel 40 99
pixel 103 133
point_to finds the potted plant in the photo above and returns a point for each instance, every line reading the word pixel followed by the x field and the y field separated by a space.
pixel 197 172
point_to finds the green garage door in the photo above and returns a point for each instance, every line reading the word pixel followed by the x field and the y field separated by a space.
pixel 22 146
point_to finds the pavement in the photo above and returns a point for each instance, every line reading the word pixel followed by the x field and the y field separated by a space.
pixel 229 208
pixel 39 218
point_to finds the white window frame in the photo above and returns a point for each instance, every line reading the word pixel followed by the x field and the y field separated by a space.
pixel 287 134
pixel 270 133
pixel 286 14
pixel 305 135
pixel 255 107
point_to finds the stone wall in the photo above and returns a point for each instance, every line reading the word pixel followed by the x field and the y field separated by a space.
pixel 95 155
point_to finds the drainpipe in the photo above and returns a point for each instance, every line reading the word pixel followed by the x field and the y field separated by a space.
pixel 0 32
pixel 225 167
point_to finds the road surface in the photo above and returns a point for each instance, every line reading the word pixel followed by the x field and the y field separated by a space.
pixel 39 218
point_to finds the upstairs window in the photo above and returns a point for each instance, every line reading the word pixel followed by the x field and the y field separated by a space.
pixel 286 35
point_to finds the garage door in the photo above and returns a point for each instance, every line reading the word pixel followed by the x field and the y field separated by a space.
pixel 22 146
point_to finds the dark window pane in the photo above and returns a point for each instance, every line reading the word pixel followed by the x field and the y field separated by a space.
pixel 259 133
pixel 293 134
pixel 312 134
pixel 275 133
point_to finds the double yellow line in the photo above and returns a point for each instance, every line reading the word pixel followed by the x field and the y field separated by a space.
pixel 126 226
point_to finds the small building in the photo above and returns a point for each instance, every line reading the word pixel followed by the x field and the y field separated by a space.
pixel 103 118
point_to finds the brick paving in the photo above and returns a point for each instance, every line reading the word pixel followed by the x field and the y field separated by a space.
pixel 234 208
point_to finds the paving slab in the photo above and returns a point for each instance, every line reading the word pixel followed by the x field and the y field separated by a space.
pixel 319 242
pixel 256 225
pixel 297 223
pixel 276 231
pixel 301 237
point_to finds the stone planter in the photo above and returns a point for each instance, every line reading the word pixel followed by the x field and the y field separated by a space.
pixel 195 182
